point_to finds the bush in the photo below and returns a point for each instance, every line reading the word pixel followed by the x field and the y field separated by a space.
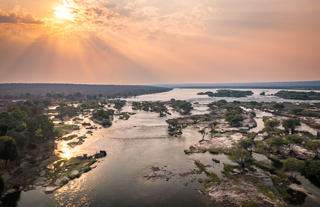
pixel 290 125
pixel 294 139
pixel 271 124
pixel 311 170
pixel 277 142
pixel 293 165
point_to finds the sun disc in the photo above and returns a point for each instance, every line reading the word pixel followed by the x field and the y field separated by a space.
pixel 64 13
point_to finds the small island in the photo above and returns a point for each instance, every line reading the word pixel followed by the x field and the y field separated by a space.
pixel 227 93
pixel 298 95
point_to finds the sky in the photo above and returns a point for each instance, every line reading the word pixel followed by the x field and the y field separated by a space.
pixel 159 41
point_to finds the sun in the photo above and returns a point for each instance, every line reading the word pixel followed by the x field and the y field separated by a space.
pixel 64 13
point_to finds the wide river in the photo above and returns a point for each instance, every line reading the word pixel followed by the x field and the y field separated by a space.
pixel 133 147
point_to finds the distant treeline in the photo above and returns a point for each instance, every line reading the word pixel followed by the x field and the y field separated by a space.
pixel 302 85
pixel 10 91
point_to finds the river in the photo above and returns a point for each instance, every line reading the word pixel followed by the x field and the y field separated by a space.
pixel 134 146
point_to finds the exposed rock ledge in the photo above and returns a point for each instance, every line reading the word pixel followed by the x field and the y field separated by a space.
pixel 231 193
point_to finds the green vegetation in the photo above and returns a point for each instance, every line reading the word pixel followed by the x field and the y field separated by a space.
pixel 2 185
pixel 91 104
pixel 183 107
pixel 66 111
pixel 311 170
pixel 103 117
pixel 242 157
pixel 227 93
pixel 228 171
pixel 175 127
pixel 290 195
pixel 313 145
pixel 294 139
pixel 216 151
pixel 249 204
pixel 293 165
pixel 276 142
pixel 234 116
pixel 8 149
pixel 74 92
pixel 265 166
pixel 63 129
pixel 290 125
pixel 27 125
pixel 271 124
pixel 124 115
pixel 304 112
pixel 201 167
pixel 278 106
pixel 118 104
pixel 247 144
pixel 211 177
pixel 298 95
pixel 190 150
pixel 68 169
pixel 158 107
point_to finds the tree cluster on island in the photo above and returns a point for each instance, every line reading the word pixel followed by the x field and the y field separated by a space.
pixel 227 93
pixel 298 95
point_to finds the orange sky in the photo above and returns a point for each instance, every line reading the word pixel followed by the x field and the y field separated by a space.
pixel 159 41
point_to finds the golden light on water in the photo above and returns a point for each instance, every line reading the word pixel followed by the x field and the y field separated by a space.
pixel 65 151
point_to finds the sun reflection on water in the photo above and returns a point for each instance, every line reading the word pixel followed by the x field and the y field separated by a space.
pixel 65 151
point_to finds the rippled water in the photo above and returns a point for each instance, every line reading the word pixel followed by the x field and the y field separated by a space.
pixel 133 147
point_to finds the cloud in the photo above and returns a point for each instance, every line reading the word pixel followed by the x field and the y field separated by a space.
pixel 16 18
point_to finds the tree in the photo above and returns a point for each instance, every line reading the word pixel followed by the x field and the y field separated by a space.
pixel 204 132
pixel 241 156
pixel 119 104
pixel 314 145
pixel 247 144
pixel 234 118
pixel 8 149
pixel 66 111
pixel 293 165
pixel 290 125
pixel 1 185
pixel 277 142
pixel 311 170
pixel 271 124
pixel 278 106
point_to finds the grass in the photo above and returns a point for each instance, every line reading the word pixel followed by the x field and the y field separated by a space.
pixel 65 129
pixel 264 166
pixel 249 204
pixel 201 167
pixel 228 171
pixel 63 168
pixel 190 150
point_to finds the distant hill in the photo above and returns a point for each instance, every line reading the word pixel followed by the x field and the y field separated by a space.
pixel 14 89
pixel 311 85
